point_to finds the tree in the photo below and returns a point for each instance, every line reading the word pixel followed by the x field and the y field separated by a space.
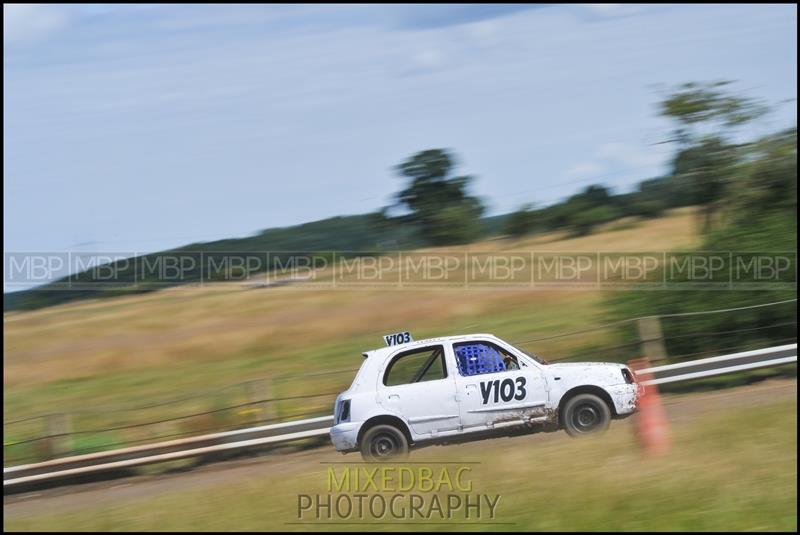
pixel 596 194
pixel 753 184
pixel 707 118
pixel 647 208
pixel 439 203
pixel 587 218
pixel 707 166
pixel 584 210
pixel 667 191
pixel 522 221
pixel 699 106
pixel 771 181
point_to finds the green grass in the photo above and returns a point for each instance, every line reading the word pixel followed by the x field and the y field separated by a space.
pixel 730 470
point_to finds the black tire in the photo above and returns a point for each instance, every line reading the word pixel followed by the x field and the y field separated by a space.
pixel 585 414
pixel 384 443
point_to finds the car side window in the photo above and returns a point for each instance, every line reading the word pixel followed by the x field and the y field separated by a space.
pixel 416 366
pixel 476 358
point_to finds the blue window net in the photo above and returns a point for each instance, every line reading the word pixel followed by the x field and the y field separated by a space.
pixel 475 359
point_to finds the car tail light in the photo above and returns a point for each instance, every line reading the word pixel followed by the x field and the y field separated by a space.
pixel 344 411
pixel 628 375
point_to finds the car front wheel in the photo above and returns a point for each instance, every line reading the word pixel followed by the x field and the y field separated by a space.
pixel 384 443
pixel 586 414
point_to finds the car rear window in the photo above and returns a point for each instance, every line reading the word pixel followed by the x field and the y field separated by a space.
pixel 416 366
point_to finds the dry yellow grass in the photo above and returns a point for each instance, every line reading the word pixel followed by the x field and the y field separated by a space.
pixel 180 326
pixel 91 358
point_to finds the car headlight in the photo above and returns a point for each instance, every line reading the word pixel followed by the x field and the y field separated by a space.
pixel 628 376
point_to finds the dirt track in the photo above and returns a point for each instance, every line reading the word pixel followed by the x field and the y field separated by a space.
pixel 679 408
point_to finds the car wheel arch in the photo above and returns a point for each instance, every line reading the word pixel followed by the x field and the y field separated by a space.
pixel 385 419
pixel 586 389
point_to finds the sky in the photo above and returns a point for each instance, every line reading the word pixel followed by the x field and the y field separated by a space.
pixel 139 128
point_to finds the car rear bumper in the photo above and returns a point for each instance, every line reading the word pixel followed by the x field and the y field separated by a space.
pixel 345 436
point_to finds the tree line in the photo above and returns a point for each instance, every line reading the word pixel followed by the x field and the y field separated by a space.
pixel 705 171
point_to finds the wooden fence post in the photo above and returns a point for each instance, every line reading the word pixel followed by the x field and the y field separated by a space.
pixel 258 392
pixel 652 340
pixel 59 427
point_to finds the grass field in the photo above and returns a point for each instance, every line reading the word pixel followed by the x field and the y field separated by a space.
pixel 733 466
pixel 95 359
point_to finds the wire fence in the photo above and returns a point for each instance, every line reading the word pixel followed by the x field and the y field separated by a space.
pixel 243 408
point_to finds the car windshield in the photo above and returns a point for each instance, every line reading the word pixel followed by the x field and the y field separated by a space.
pixel 540 360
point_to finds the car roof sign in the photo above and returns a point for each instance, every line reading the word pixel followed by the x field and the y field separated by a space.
pixel 394 339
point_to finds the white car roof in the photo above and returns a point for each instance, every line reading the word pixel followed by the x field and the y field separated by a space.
pixel 375 359
pixel 384 351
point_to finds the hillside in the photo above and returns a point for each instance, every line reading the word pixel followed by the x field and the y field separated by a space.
pixel 364 232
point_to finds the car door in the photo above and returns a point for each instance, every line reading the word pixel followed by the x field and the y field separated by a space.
pixel 495 384
pixel 417 385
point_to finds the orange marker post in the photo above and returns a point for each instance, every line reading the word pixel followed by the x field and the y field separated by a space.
pixel 652 428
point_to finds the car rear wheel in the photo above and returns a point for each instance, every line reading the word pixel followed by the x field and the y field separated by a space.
pixel 384 443
pixel 586 414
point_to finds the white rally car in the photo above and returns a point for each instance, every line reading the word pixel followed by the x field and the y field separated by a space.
pixel 459 388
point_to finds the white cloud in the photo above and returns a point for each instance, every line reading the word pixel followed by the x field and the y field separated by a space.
pixel 425 58
pixel 609 11
pixel 484 29
pixel 627 156
pixel 584 170
pixel 31 22
pixel 429 59
pixel 612 159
